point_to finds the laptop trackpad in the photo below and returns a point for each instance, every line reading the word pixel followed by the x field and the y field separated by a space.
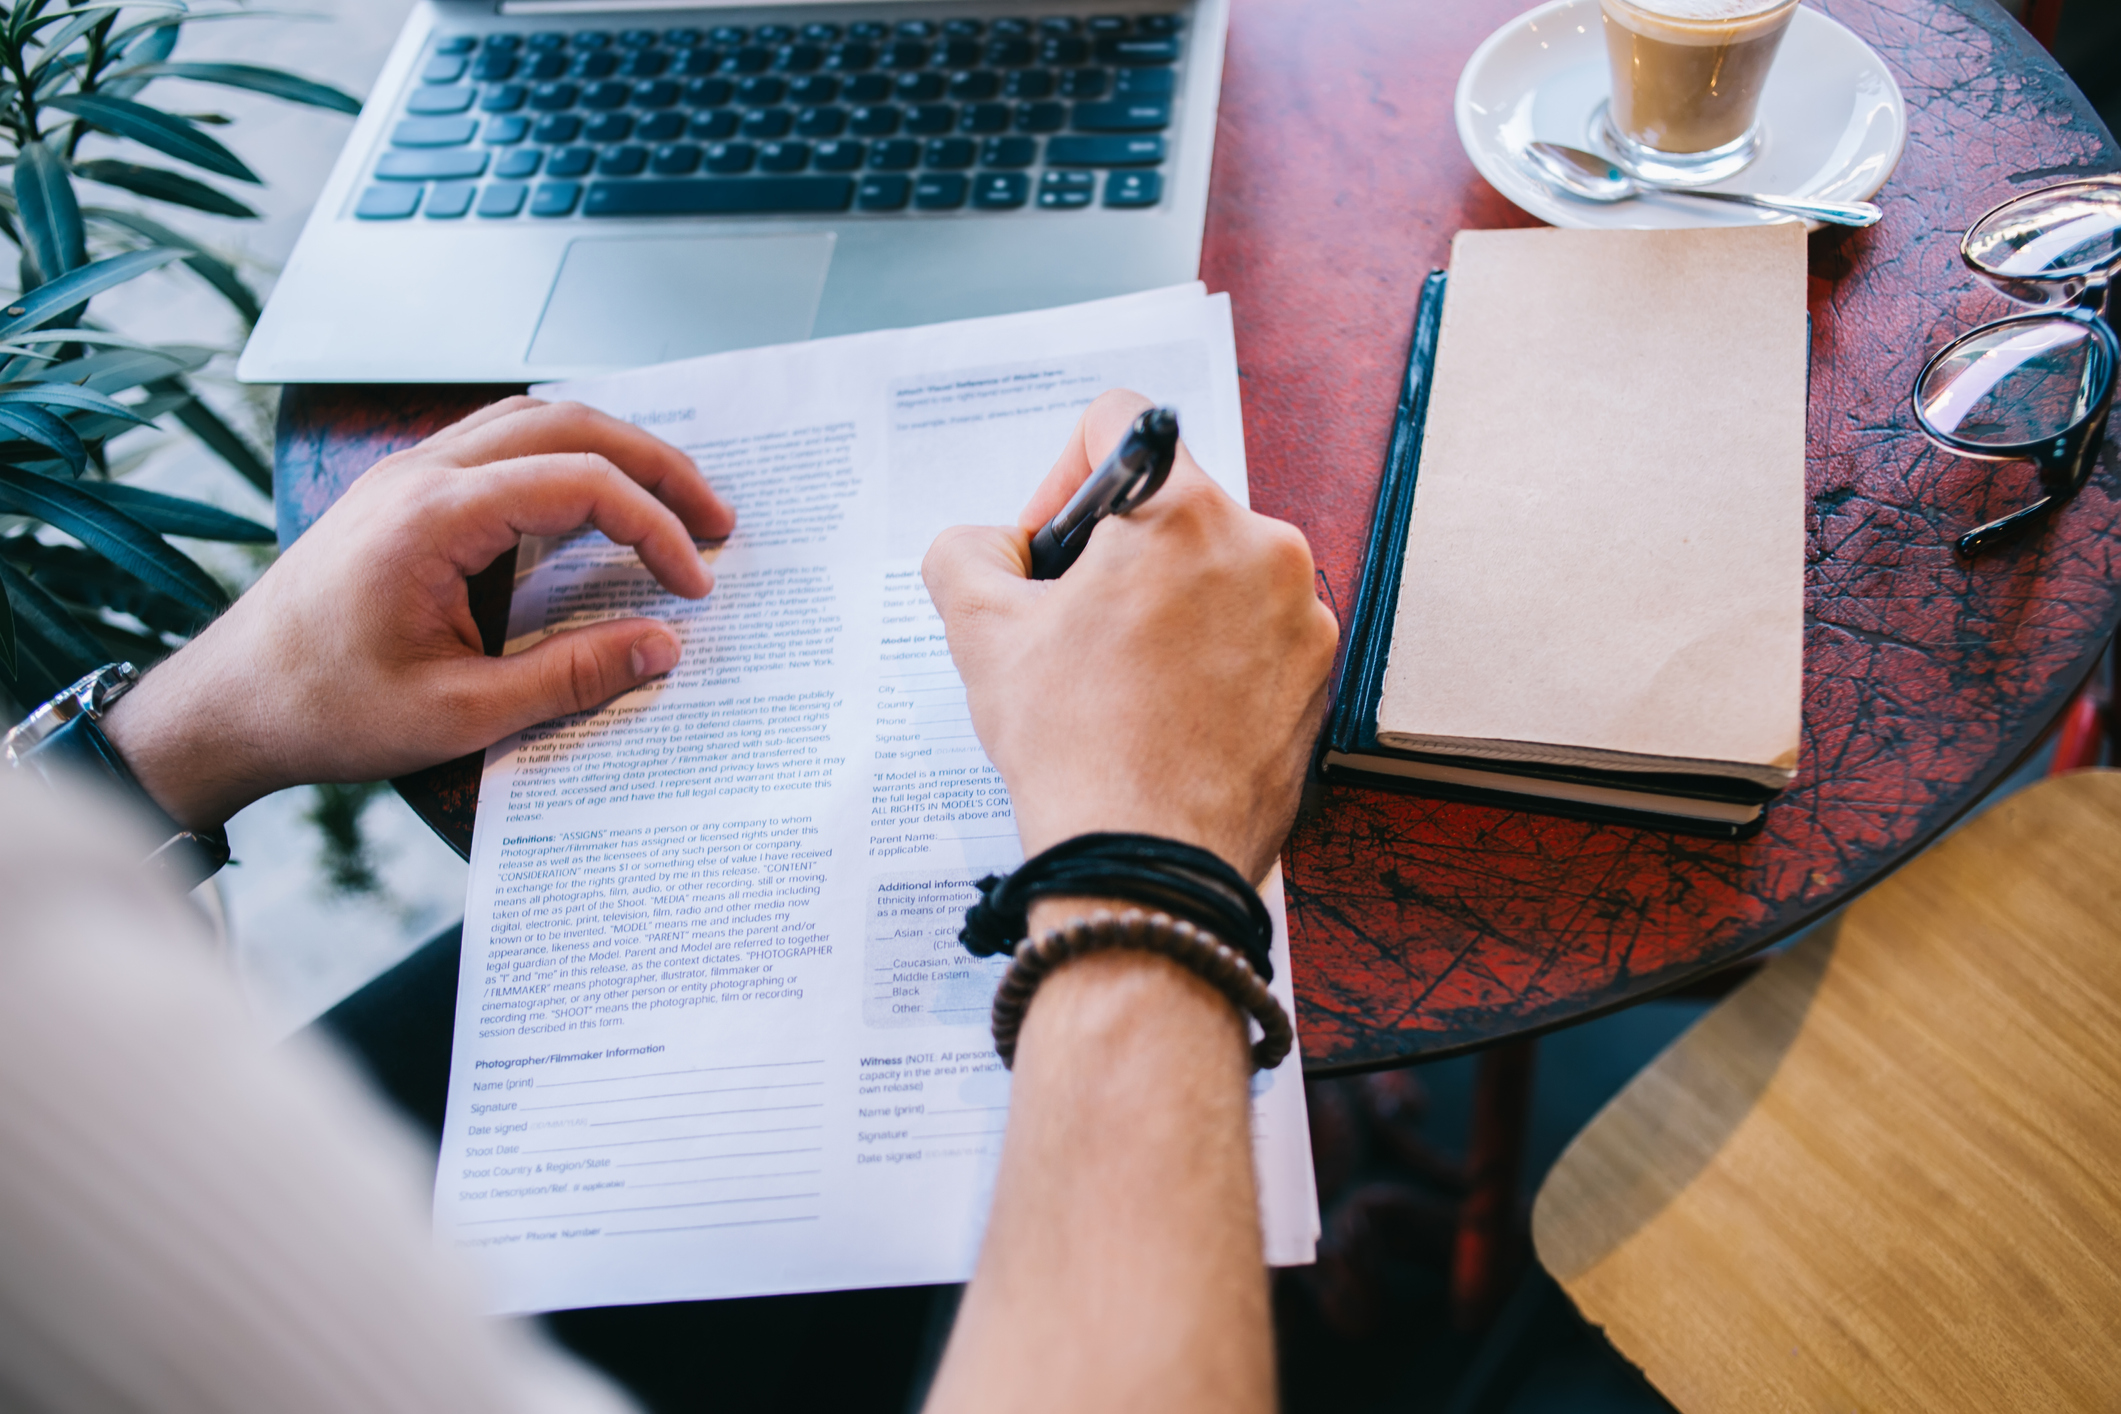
pixel 621 303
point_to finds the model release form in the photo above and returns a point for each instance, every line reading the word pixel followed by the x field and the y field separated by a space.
pixel 715 1034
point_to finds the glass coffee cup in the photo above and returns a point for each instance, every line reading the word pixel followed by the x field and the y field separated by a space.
pixel 1687 78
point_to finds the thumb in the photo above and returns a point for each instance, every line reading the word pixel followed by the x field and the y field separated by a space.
pixel 976 572
pixel 571 672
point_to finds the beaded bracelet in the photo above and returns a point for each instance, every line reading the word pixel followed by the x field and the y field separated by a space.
pixel 1223 967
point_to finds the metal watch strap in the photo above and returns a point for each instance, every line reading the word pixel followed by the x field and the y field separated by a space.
pixel 62 741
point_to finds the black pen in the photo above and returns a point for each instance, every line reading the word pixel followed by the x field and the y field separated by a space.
pixel 1130 476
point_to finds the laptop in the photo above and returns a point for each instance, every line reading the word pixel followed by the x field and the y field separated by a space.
pixel 542 189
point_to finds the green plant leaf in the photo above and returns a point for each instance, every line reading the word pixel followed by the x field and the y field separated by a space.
pixel 48 301
pixel 81 580
pixel 66 395
pixel 111 533
pixel 173 515
pixel 118 369
pixel 208 266
pixel 47 633
pixel 7 632
pixel 221 439
pixel 51 218
pixel 46 429
pixel 275 82
pixel 164 185
pixel 165 132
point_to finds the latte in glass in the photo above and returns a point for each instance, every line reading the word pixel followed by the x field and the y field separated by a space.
pixel 1687 78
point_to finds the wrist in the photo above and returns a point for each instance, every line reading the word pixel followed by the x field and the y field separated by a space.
pixel 168 737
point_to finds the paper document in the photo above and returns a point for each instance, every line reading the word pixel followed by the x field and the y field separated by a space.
pixel 715 1034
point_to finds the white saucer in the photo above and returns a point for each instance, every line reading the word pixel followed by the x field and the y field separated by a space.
pixel 1833 119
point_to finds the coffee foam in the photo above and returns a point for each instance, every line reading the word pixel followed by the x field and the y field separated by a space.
pixel 1699 21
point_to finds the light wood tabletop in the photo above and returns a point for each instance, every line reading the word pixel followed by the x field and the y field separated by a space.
pixel 1886 1174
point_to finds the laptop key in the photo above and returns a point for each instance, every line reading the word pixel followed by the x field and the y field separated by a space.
pixel 499 132
pixel 1001 191
pixel 571 162
pixel 708 93
pixel 1142 83
pixel 609 127
pixel 1134 115
pixel 867 29
pixel 955 53
pixel 984 118
pixel 704 196
pixel 387 203
pixel 940 191
pixel 444 68
pixel 549 65
pixel 898 154
pixel 449 164
pixel 915 29
pixel 625 161
pixel 1058 24
pixel 851 58
pixel 750 59
pixel 928 118
pixel 645 63
pixel 1041 117
pixel 729 34
pixel 503 41
pixel 905 54
pixel 838 155
pixel 918 87
pixel 867 88
pixel 883 193
pixel 1084 83
pixel 1063 50
pixel 798 58
pixel 592 39
pixel 1011 27
pixel 440 100
pixel 556 128
pixel 768 122
pixel 1008 152
pixel 1158 24
pixel 814 89
pixel 606 95
pixel 660 127
pixel 878 120
pixel 1107 24
pixel 761 92
pixel 450 200
pixel 949 153
pixel 502 98
pixel 700 62
pixel 963 29
pixel 720 123
pixel 456 44
pixel 784 156
pixel 594 64
pixel 975 85
pixel 493 66
pixel 502 199
pixel 819 32
pixel 1104 151
pixel 655 93
pixel 1130 189
pixel 773 34
pixel 555 198
pixel 546 39
pixel 1137 51
pixel 553 97
pixel 676 159
pixel 523 162
pixel 433 132
pixel 730 158
pixel 1030 83
pixel 1009 53
pixel 821 122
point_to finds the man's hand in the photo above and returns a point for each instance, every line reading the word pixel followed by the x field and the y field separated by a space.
pixel 355 657
pixel 1170 683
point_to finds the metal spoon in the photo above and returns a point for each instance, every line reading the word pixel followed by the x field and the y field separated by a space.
pixel 1596 178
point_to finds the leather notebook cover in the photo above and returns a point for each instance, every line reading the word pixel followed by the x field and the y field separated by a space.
pixel 1585 576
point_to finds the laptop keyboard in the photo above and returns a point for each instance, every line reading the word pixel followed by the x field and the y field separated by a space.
pixel 1056 114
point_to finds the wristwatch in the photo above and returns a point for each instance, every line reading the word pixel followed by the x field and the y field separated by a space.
pixel 63 741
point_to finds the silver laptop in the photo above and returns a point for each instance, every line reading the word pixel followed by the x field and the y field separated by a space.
pixel 547 188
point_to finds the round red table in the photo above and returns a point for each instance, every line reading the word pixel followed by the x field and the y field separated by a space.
pixel 1422 927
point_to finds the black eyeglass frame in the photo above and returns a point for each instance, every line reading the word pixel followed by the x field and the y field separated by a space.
pixel 2065 460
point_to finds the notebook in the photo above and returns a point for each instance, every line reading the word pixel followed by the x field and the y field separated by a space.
pixel 1584 591
pixel 715 1033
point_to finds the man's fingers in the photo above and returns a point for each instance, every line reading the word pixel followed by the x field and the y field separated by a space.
pixel 1103 423
pixel 568 672
pixel 522 402
pixel 975 570
pixel 555 494
pixel 660 468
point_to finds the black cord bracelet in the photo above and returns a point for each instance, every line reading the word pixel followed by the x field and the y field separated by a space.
pixel 1224 968
pixel 1182 880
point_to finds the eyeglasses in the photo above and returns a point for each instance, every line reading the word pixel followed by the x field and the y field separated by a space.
pixel 2034 387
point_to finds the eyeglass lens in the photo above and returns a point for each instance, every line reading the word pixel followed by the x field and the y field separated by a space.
pixel 2067 231
pixel 2015 383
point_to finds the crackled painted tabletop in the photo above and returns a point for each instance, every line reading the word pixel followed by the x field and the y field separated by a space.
pixel 1422 927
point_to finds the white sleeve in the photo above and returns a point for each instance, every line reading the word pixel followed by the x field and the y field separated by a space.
pixel 192 1219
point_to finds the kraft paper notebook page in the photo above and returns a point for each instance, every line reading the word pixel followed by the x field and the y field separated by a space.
pixel 1604 568
pixel 715 1034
